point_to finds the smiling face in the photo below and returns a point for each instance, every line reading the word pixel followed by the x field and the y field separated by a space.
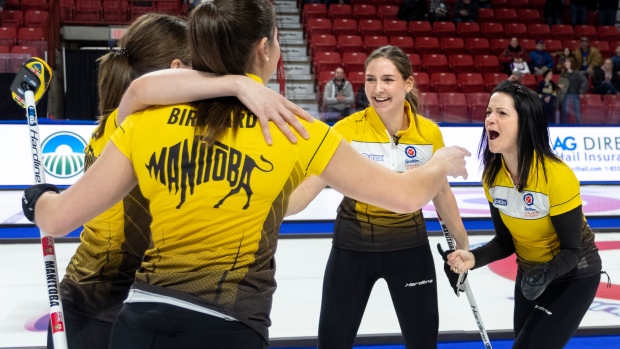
pixel 502 125
pixel 385 87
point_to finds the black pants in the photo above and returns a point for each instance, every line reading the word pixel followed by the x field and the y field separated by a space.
pixel 163 326
pixel 83 332
pixel 550 321
pixel 349 279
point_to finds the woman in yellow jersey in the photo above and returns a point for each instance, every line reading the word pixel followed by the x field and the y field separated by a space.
pixel 372 242
pixel 112 244
pixel 537 212
pixel 217 194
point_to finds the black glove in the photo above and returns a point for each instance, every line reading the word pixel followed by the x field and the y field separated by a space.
pixel 32 195
pixel 535 281
pixel 453 277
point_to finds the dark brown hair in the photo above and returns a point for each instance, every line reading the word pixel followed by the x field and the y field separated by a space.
pixel 223 37
pixel 151 43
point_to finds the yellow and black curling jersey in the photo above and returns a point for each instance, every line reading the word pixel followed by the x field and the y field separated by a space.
pixel 217 211
pixel 367 228
pixel 112 244
pixel 527 214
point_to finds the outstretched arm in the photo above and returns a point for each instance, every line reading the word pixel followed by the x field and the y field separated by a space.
pixel 304 194
pixel 398 192
pixel 171 86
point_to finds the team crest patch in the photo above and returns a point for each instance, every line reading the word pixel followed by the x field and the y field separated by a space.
pixel 528 210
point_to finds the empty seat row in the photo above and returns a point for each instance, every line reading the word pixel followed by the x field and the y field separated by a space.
pixel 10 36
pixel 19 18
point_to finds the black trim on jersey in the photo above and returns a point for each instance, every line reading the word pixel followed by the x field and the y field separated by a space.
pixel 317 150
pixel 562 203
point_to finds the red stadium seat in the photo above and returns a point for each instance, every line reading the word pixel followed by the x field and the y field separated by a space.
pixel 420 29
pixel 487 64
pixel 493 79
pixel 322 43
pixel 30 50
pixel 453 107
pixel 553 46
pixel 12 5
pixel 87 11
pixel 25 36
pixel 65 10
pixel 571 44
pixel 404 42
pixel 434 63
pixel 498 45
pixel 562 32
pixel 589 31
pixel 357 79
pixel 5 49
pixel 477 46
pixel 506 15
pixel 387 12
pixel 423 81
pixel 395 28
pixel 538 4
pixel 12 18
pixel 8 36
pixel 612 105
pixel 326 61
pixel 35 18
pixel 353 61
pixel 539 31
pixel 116 11
pixel 486 15
pixel 350 43
pixel 468 30
pixel 369 27
pixel 345 26
pixel 518 30
pixel 478 103
pixel 416 61
pixel 603 46
pixel 444 29
pixel 372 43
pixel 171 7
pixel 339 11
pixel 138 9
pixel 592 109
pixel 364 11
pixel 492 30
pixel 313 10
pixel 608 32
pixel 528 16
pixel 452 46
pixel 529 81
pixel 323 77
pixel 471 82
pixel 516 4
pixel 430 105
pixel 427 44
pixel 461 64
pixel 34 5
pixel 316 26
pixel 528 45
pixel 444 82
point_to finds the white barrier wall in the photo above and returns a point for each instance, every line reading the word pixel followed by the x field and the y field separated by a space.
pixel 592 152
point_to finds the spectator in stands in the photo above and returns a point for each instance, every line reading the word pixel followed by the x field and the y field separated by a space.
pixel 465 11
pixel 547 91
pixel 338 97
pixel 553 11
pixel 605 79
pixel 437 11
pixel 361 100
pixel 607 10
pixel 413 10
pixel 577 85
pixel 587 58
pixel 540 60
pixel 484 3
pixel 561 57
pixel 615 59
pixel 516 76
pixel 578 12
pixel 514 56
